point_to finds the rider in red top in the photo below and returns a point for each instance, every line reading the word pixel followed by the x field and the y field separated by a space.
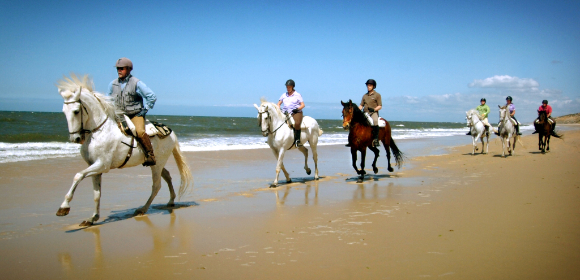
pixel 548 109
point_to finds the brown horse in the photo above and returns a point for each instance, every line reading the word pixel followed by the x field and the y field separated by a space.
pixel 360 139
pixel 544 129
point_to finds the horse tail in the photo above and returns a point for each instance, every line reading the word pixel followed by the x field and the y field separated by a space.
pixel 184 172
pixel 399 156
pixel 561 136
pixel 319 131
pixel 519 140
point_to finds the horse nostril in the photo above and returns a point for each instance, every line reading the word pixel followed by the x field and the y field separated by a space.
pixel 77 140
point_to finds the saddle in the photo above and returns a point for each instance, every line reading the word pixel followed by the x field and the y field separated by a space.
pixel 152 128
pixel 382 122
pixel 290 122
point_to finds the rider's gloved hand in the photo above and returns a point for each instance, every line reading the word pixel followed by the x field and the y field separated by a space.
pixel 295 111
pixel 371 110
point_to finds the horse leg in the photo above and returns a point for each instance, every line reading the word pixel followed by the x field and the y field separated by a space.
pixel 503 142
pixel 156 178
pixel 97 199
pixel 315 157
pixel 92 170
pixel 376 151
pixel 305 153
pixel 482 143
pixel 388 155
pixel 279 166
pixel 362 171
pixel 354 158
pixel 167 177
pixel 474 143
pixel 540 136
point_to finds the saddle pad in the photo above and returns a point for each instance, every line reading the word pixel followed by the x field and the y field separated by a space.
pixel 152 128
pixel 382 122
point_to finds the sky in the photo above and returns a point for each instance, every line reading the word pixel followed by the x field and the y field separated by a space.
pixel 432 60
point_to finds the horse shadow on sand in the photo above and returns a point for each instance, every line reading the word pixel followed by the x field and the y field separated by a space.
pixel 299 180
pixel 370 177
pixel 154 209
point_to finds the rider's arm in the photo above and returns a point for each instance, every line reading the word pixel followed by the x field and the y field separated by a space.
pixel 378 108
pixel 110 88
pixel 279 103
pixel 301 106
pixel 513 113
pixel 379 103
pixel 147 94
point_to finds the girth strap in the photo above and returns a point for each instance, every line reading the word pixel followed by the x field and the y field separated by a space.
pixel 129 153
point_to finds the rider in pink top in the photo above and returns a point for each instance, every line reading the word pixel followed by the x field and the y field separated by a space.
pixel 548 109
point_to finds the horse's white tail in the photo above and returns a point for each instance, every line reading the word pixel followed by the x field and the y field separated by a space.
pixel 518 138
pixel 319 131
pixel 184 172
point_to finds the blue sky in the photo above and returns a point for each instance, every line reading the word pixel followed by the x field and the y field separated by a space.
pixel 433 60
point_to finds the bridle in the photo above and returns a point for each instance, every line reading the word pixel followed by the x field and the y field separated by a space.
pixel 81 130
pixel 267 131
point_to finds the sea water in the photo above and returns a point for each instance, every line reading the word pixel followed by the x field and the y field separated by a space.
pixel 40 135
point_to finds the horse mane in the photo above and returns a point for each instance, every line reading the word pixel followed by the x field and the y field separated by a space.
pixel 358 115
pixel 74 83
pixel 272 105
pixel 474 111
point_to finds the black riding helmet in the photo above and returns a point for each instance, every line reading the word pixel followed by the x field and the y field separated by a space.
pixel 509 98
pixel 371 82
pixel 545 102
pixel 290 82
pixel 483 99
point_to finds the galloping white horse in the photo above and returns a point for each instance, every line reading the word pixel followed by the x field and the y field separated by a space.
pixel 281 137
pixel 508 131
pixel 91 122
pixel 478 130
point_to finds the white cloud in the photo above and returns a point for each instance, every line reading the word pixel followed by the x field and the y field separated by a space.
pixel 504 81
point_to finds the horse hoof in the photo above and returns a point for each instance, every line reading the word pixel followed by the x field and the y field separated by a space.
pixel 376 170
pixel 316 178
pixel 308 171
pixel 139 213
pixel 391 169
pixel 86 224
pixel 170 204
pixel 273 186
pixel 62 211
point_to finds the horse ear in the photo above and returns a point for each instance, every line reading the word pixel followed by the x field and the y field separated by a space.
pixel 342 103
pixel 350 101
pixel 257 108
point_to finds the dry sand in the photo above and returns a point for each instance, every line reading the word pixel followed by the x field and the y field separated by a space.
pixel 452 216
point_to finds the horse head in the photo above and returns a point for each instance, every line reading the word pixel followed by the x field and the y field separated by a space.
pixel 263 118
pixel 542 116
pixel 347 113
pixel 79 102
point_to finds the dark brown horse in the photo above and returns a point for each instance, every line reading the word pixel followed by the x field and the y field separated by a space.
pixel 360 139
pixel 544 129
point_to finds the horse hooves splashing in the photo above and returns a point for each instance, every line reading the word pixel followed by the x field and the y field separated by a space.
pixel 273 186
pixel 86 224
pixel 62 211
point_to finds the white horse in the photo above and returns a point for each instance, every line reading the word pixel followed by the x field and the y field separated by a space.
pixel 91 122
pixel 507 131
pixel 281 137
pixel 478 130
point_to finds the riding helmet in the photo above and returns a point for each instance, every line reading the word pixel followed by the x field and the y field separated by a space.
pixel 509 98
pixel 124 62
pixel 545 102
pixel 483 99
pixel 290 83
pixel 371 82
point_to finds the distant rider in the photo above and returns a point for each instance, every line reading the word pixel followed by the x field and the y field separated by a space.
pixel 293 104
pixel 129 94
pixel 483 110
pixel 372 103
pixel 512 110
pixel 548 109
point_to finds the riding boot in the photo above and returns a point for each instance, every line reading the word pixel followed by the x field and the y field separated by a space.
pixel 375 135
pixel 469 132
pixel 518 130
pixel 497 132
pixel 297 138
pixel 147 149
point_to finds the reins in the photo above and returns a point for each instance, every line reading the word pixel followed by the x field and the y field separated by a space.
pixel 268 117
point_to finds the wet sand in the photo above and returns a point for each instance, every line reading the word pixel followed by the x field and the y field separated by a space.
pixel 452 216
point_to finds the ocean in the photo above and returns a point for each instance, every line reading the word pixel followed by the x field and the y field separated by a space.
pixel 41 135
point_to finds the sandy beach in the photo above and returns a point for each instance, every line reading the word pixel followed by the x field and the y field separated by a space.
pixel 446 214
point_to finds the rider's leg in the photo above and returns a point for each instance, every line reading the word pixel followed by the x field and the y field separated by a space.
pixel 535 122
pixel 144 140
pixel 517 125
pixel 469 132
pixel 297 123
pixel 375 129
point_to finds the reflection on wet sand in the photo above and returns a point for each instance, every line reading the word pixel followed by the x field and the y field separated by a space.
pixel 361 192
pixel 282 200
